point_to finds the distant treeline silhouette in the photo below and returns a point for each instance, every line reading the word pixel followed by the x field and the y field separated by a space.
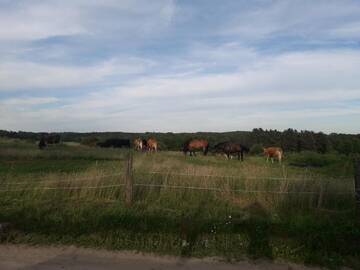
pixel 290 139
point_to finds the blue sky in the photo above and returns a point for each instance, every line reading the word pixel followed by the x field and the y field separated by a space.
pixel 166 65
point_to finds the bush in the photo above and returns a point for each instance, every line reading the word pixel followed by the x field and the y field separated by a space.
pixel 89 141
pixel 313 159
pixel 256 149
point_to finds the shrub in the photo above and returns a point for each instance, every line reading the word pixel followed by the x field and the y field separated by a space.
pixel 256 149
pixel 89 141
pixel 313 159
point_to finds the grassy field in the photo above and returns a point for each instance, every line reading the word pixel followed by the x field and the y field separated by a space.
pixel 193 206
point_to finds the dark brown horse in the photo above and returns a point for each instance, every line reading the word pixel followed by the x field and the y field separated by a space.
pixel 230 148
pixel 197 144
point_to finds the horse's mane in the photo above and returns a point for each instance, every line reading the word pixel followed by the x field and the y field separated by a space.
pixel 186 143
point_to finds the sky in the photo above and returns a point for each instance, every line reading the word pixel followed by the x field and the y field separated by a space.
pixel 179 65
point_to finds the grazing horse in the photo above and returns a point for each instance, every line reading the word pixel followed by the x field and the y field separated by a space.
pixel 48 139
pixel 272 152
pixel 230 148
pixel 138 144
pixel 192 145
pixel 42 143
pixel 152 145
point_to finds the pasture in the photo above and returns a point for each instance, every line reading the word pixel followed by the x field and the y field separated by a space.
pixel 190 206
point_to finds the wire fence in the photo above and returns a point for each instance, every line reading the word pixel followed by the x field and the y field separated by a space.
pixel 61 188
pixel 167 186
pixel 64 181
pixel 246 177
pixel 237 190
pixel 170 174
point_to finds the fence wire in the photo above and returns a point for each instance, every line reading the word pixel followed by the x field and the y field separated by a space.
pixel 177 187
pixel 171 186
pixel 238 190
pixel 62 188
pixel 243 177
pixel 64 181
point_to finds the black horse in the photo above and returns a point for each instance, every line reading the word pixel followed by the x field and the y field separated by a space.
pixel 231 148
pixel 48 139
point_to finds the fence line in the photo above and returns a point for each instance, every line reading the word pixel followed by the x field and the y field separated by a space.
pixel 174 174
pixel 61 188
pixel 178 187
pixel 61 202
pixel 237 190
pixel 243 177
pixel 63 181
pixel 130 182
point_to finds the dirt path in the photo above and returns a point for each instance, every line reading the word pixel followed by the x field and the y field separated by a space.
pixel 54 258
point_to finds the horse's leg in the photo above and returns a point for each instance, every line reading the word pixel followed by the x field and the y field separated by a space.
pixel 205 150
pixel 272 159
pixel 242 155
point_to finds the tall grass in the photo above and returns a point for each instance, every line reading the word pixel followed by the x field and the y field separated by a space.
pixel 197 206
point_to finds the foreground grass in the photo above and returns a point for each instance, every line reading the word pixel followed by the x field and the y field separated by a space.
pixel 228 223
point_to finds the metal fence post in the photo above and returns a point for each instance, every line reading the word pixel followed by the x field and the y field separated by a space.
pixel 129 185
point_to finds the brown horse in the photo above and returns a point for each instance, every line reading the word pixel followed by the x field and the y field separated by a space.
pixel 152 145
pixel 272 152
pixel 192 145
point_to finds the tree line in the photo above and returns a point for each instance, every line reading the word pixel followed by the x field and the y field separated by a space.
pixel 290 140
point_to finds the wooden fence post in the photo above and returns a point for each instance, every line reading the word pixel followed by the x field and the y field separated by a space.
pixel 129 184
pixel 357 183
pixel 321 194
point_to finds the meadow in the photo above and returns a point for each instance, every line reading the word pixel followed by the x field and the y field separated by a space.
pixel 302 210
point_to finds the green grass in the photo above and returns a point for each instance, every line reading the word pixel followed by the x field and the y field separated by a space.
pixel 332 164
pixel 228 223
pixel 21 167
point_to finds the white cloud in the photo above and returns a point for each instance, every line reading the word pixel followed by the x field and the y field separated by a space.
pixel 181 81
pixel 28 101
pixel 292 73
pixel 33 20
pixel 20 75
pixel 347 31
pixel 305 19
pixel 308 87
